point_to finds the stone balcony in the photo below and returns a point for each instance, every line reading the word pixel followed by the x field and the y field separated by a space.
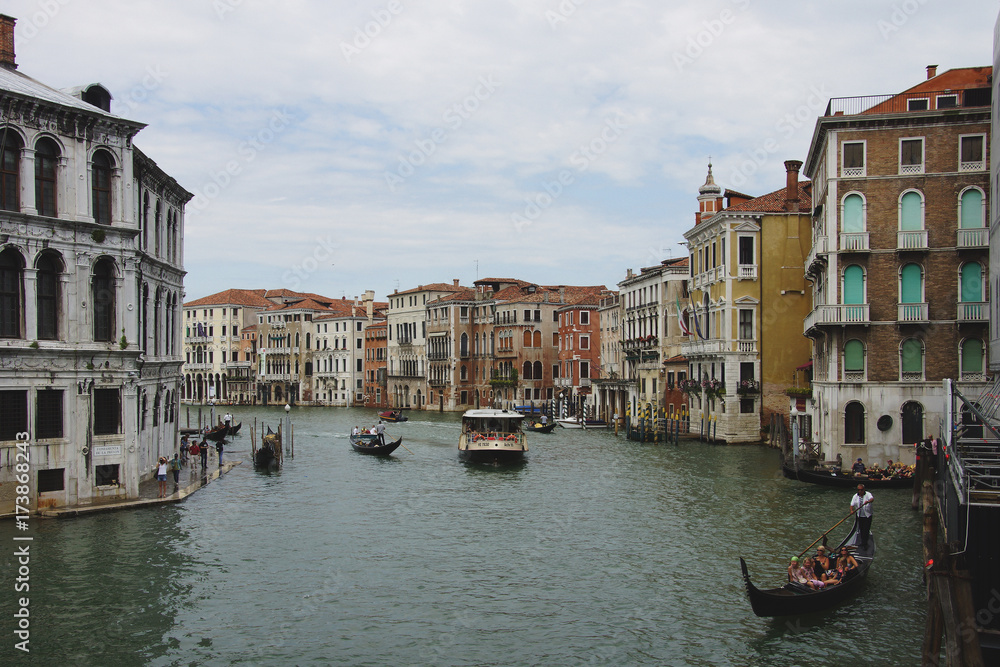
pixel 837 315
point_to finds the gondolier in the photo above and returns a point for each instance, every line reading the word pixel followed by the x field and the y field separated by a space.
pixel 380 432
pixel 861 504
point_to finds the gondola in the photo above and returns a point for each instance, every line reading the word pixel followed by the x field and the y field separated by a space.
pixel 794 599
pixel 366 444
pixel 393 416
pixel 268 456
pixel 538 427
pixel 844 479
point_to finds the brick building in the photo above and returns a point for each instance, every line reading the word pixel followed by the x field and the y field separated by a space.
pixel 898 263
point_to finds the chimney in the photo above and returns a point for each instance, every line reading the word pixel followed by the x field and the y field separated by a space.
pixel 455 281
pixel 792 185
pixel 7 41
pixel 931 71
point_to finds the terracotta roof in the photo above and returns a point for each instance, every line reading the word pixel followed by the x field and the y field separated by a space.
pixel 233 297
pixel 774 202
pixel 464 294
pixel 433 287
pixel 676 359
pixel 676 261
pixel 954 80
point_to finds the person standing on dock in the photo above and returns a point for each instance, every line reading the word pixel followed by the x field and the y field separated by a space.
pixel 861 504
pixel 204 454
pixel 218 448
pixel 161 476
pixel 175 468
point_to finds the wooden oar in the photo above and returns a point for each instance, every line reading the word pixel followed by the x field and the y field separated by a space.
pixel 834 526
pixel 406 448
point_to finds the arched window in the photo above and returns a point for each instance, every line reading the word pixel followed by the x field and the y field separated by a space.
pixel 854 423
pixel 854 285
pixel 911 216
pixel 536 339
pixel 465 373
pixel 911 359
pixel 854 214
pixel 527 339
pixel 911 284
pixel 912 419
pixel 11 292
pixel 971 283
pixel 972 359
pixel 101 187
pixel 854 360
pixel 464 345
pixel 972 214
pixel 47 286
pixel 10 170
pixel 103 300
pixel 537 370
pixel 526 371
pixel 46 170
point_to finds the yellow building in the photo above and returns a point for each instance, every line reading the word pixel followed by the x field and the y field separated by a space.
pixel 748 300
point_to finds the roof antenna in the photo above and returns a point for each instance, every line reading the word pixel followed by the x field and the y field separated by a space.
pixel 477 269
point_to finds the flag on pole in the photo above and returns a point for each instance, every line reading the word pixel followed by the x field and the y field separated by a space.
pixel 680 319
pixel 697 323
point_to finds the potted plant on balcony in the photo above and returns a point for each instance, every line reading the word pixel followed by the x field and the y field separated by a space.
pixel 690 386
pixel 799 392
pixel 713 388
pixel 748 388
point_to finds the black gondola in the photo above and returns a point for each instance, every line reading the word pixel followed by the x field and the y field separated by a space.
pixel 541 428
pixel 268 457
pixel 844 479
pixel 367 444
pixel 794 599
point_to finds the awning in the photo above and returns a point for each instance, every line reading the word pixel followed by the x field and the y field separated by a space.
pixel 806 366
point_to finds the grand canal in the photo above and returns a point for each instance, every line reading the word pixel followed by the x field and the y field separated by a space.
pixel 597 550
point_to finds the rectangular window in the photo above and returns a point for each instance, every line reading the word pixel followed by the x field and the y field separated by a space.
pixel 584 317
pixel 465 397
pixel 555 371
pixel 584 342
pixel 106 475
pixel 746 406
pixel 13 413
pixel 555 316
pixel 49 414
pixel 746 250
pixel 947 101
pixel 107 411
pixel 538 316
pixel 911 156
pixel 584 369
pixel 971 153
pixel 555 339
pixel 746 324
pixel 527 315
pixel 918 104
pixel 853 155
pixel 51 480
pixel 360 368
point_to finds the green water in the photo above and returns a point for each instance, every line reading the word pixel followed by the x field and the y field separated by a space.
pixel 597 550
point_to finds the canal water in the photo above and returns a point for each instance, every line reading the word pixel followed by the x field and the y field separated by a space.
pixel 596 551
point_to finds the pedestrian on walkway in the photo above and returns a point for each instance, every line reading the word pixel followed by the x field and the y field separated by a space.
pixel 161 476
pixel 218 448
pixel 175 467
pixel 204 454
pixel 184 449
pixel 195 450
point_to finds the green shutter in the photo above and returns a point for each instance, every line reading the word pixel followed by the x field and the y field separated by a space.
pixel 854 356
pixel 853 214
pixel 972 356
pixel 972 283
pixel 909 217
pixel 910 291
pixel 972 209
pixel 854 284
pixel 912 356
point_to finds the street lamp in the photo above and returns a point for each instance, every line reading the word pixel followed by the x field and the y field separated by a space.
pixel 795 432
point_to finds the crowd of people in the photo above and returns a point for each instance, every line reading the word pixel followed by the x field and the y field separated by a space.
pixel 376 430
pixel 890 470
pixel 822 570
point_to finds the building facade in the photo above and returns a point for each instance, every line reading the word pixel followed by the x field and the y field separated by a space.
pixel 747 284
pixel 91 278
pixel 899 262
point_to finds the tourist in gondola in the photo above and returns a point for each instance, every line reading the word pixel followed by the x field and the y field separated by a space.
pixel 861 504
pixel 793 568
pixel 859 467
pixel 846 562
pixel 809 571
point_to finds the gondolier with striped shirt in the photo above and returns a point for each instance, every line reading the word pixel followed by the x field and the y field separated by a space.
pixel 861 505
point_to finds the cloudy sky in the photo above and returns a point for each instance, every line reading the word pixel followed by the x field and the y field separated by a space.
pixel 336 146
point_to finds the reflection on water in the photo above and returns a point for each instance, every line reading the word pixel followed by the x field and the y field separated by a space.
pixel 596 550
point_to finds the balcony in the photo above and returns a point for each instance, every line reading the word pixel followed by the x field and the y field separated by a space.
pixel 972 311
pixel 194 366
pixel 746 346
pixel 854 242
pixel 816 252
pixel 198 340
pixel 837 315
pixel 703 347
pixel 912 240
pixel 912 312
pixel 973 238
pixel 747 272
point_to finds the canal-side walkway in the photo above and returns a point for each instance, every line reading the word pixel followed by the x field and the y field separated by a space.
pixel 192 477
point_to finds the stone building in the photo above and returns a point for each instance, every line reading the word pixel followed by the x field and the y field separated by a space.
pixel 375 382
pixel 91 281
pixel 748 294
pixel 898 262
